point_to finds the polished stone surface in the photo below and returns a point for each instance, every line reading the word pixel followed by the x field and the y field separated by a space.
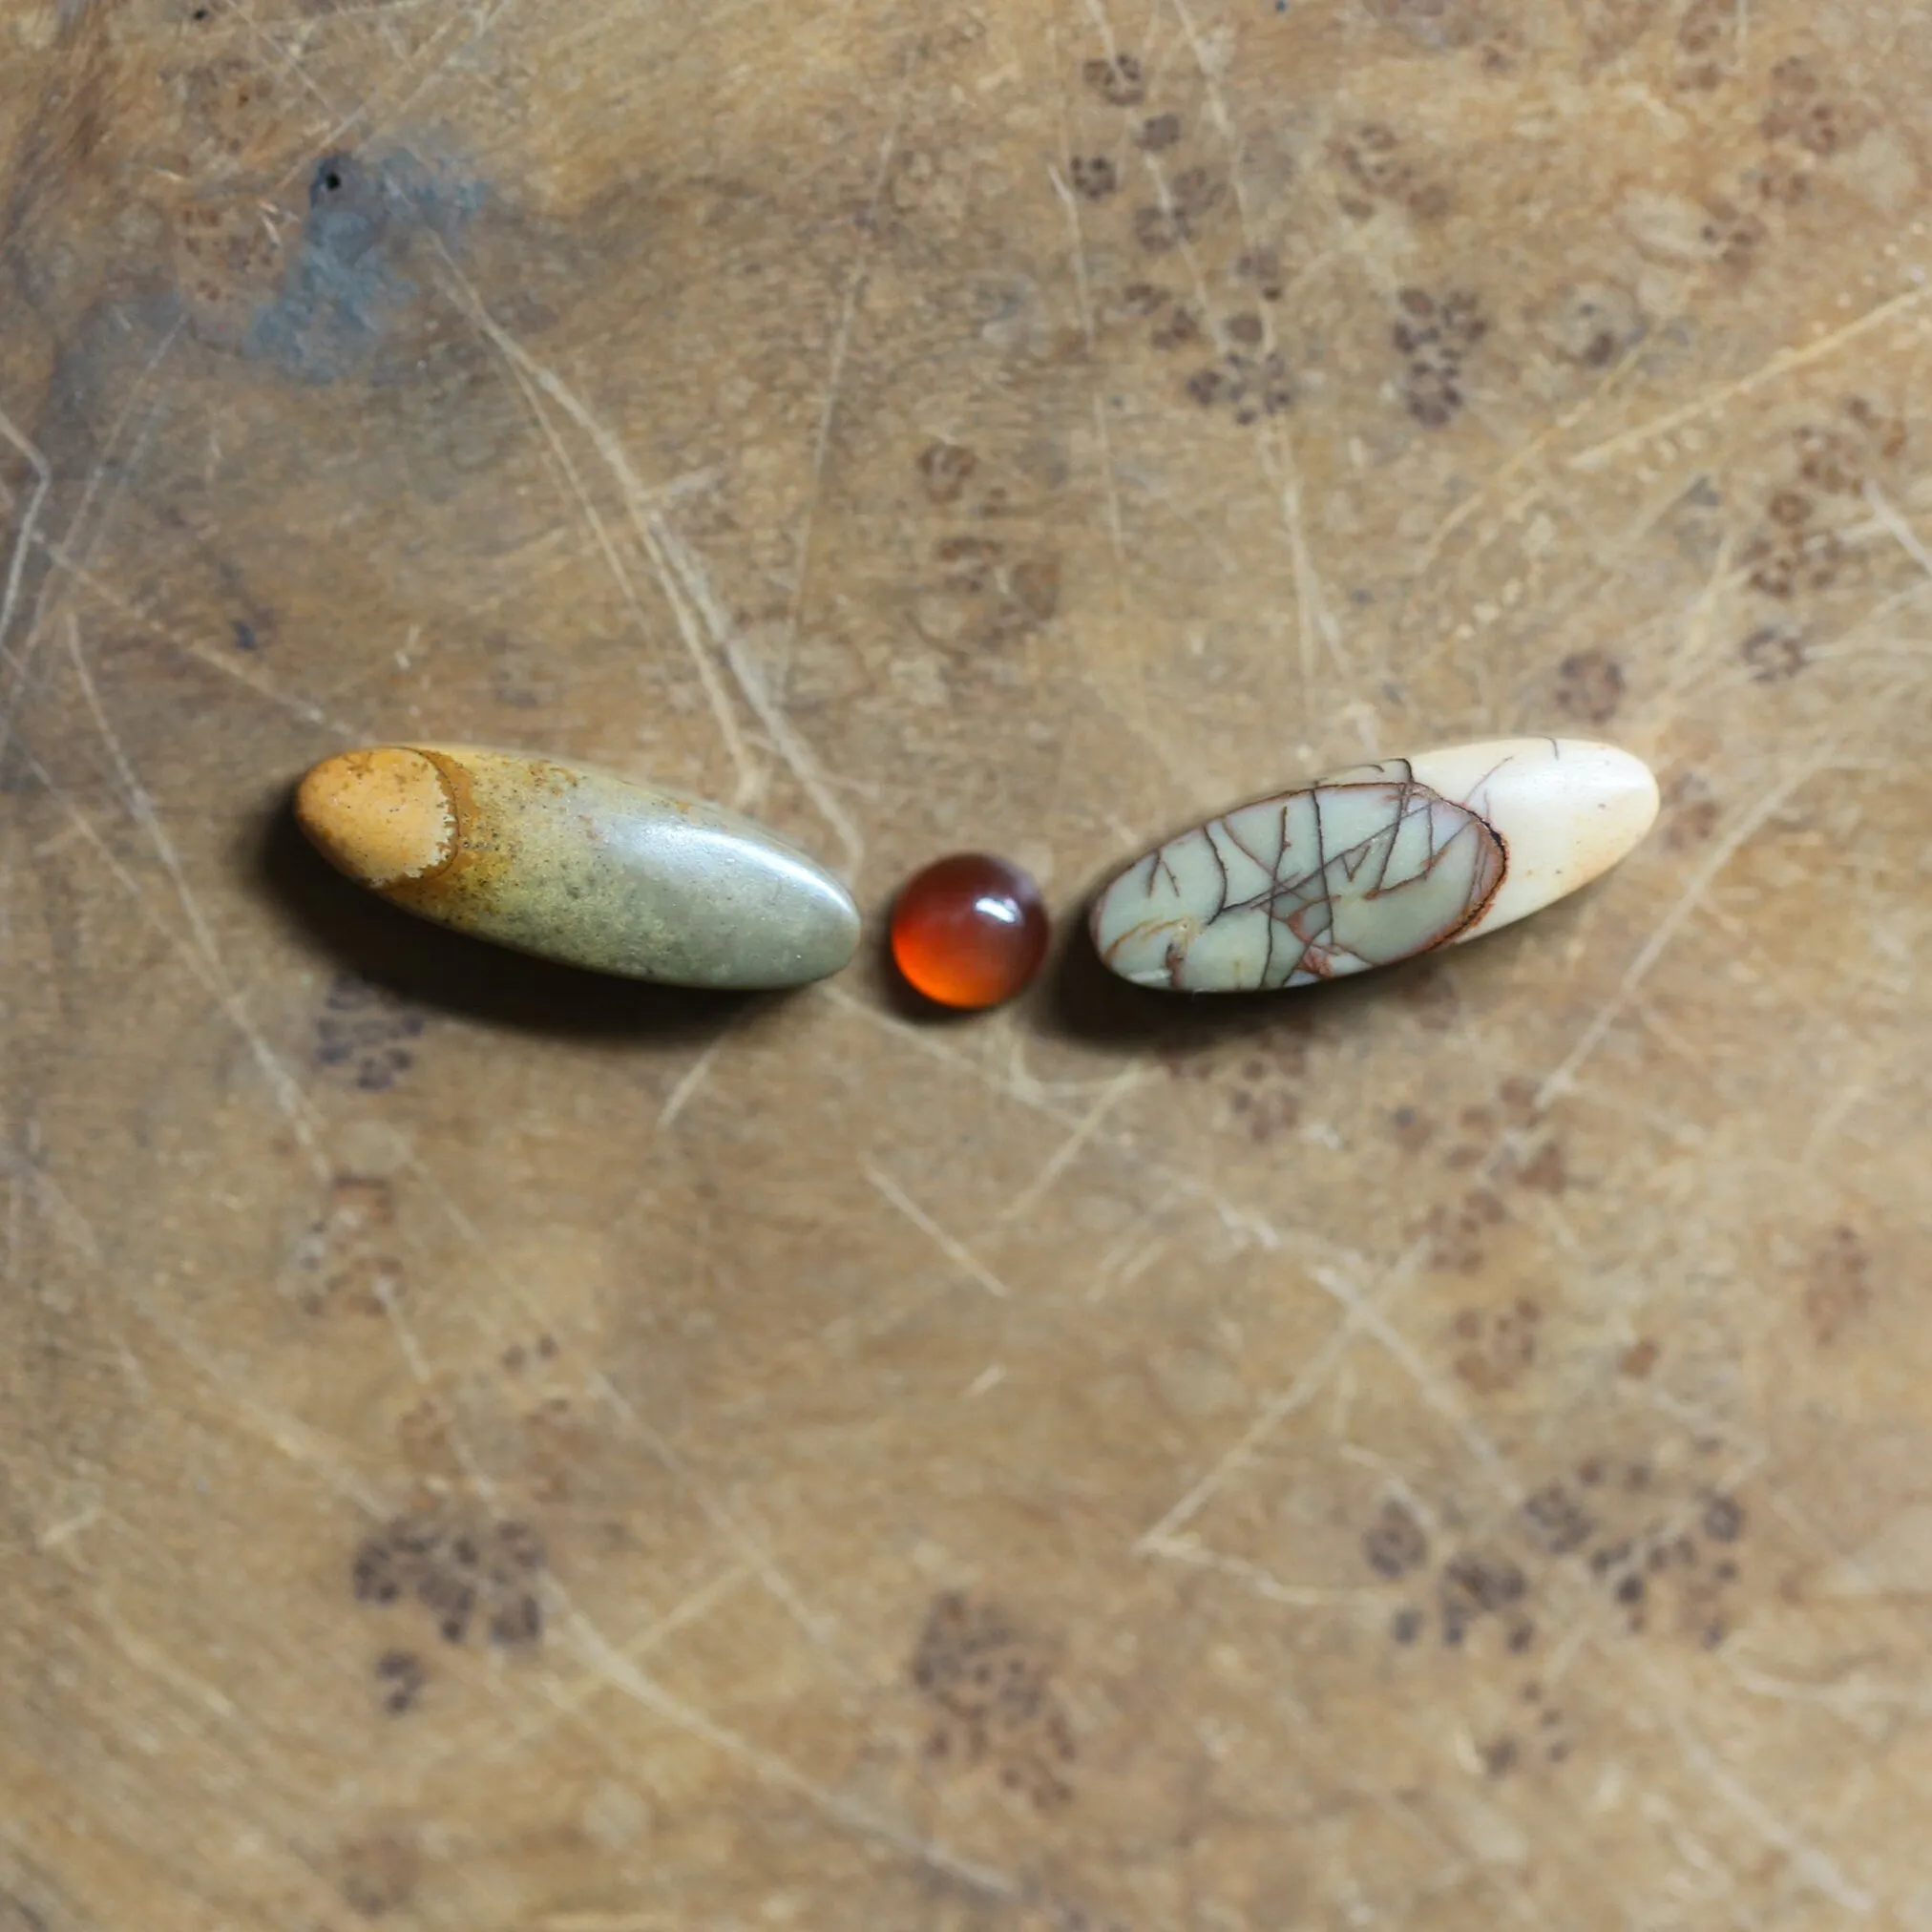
pixel 969 930
pixel 1373 865
pixel 578 865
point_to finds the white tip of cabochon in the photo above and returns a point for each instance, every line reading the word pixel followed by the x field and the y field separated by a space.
pixel 1567 809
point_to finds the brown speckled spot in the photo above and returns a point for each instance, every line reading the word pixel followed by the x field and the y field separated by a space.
pixel 993 1700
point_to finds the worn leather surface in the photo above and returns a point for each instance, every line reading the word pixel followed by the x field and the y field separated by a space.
pixel 481 1448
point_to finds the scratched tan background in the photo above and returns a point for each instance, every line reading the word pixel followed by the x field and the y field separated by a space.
pixel 482 1450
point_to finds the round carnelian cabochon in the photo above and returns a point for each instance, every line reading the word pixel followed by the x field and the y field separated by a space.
pixel 969 931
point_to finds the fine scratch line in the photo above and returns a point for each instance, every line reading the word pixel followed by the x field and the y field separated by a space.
pixel 1315 621
pixel 43 475
pixel 424 69
pixel 1713 400
pixel 1653 948
pixel 1811 1863
pixel 687 589
pixel 1160 1539
pixel 570 1700
pixel 721 1519
pixel 1036 1190
pixel 955 1251
pixel 529 371
pixel 834 376
pixel 689 1081
pixel 281 1083
pixel 600 1654
pixel 1896 527
pixel 11 700
pixel 1083 294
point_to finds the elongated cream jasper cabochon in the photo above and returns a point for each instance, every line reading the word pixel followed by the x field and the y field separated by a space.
pixel 1374 864
pixel 577 866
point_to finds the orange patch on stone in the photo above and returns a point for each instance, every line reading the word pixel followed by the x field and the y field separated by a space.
pixel 383 816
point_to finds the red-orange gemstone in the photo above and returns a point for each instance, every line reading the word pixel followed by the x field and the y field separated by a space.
pixel 969 931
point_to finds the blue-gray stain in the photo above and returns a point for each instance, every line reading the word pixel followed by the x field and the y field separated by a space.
pixel 346 292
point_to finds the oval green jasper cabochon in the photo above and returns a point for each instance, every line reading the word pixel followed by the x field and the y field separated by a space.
pixel 1373 865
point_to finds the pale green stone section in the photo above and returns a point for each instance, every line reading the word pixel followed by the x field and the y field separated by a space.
pixel 1305 886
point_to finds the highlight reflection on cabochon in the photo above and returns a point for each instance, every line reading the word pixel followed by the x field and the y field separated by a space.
pixel 1373 865
pixel 577 866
